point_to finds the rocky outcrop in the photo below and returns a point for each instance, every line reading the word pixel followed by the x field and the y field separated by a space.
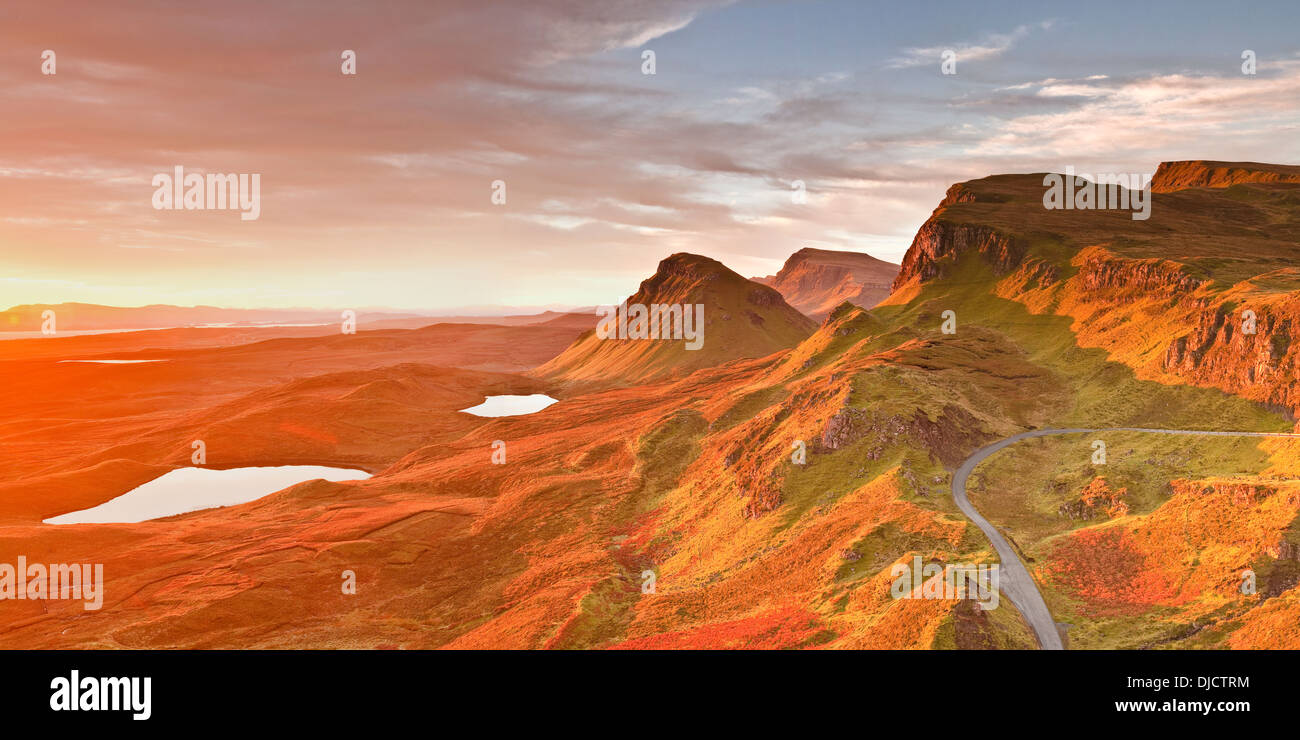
pixel 1240 340
pixel 962 193
pixel 1254 357
pixel 1137 277
pixel 1242 495
pixel 949 438
pixel 1286 551
pixel 1095 499
pixel 1200 173
pixel 939 238
pixel 939 242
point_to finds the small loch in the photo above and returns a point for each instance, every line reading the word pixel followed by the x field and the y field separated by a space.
pixel 191 489
pixel 511 405
pixel 114 362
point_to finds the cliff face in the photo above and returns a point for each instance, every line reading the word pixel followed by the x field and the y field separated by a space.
pixel 1180 328
pixel 1222 352
pixel 938 242
pixel 815 281
pixel 1129 278
pixel 1169 296
pixel 1200 173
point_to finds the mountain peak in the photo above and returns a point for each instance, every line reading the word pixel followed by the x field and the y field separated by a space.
pixel 737 318
pixel 686 261
pixel 685 278
pixel 815 281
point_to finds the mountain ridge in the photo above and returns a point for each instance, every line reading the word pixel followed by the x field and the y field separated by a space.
pixel 815 281
pixel 1203 173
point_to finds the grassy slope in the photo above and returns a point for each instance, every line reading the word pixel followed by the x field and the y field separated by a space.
pixel 1011 368
pixel 1021 488
pixel 752 549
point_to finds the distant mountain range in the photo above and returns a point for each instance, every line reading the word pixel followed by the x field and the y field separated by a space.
pixel 813 282
pixel 95 317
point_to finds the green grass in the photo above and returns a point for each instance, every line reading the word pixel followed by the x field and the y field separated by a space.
pixel 887 392
pixel 662 455
pixel 604 615
pixel 1095 392
pixel 1021 487
pixel 749 406
pixel 884 545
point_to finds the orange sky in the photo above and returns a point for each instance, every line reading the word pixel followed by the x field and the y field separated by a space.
pixel 376 187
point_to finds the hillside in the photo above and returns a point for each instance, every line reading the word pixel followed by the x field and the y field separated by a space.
pixel 741 319
pixel 1145 324
pixel 815 281
pixel 1167 296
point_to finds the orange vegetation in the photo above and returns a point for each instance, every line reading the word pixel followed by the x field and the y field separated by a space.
pixel 1189 554
pixel 782 628
pixel 1097 494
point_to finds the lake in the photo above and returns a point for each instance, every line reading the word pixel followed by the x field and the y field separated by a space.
pixel 511 405
pixel 191 489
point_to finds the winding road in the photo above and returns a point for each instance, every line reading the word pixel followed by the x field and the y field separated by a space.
pixel 1016 582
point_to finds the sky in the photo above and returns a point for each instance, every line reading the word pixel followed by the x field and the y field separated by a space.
pixel 376 188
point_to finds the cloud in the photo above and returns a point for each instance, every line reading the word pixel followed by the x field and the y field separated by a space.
pixel 1164 115
pixel 992 45
pixel 376 188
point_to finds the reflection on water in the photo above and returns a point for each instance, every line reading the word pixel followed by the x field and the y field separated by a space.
pixel 511 405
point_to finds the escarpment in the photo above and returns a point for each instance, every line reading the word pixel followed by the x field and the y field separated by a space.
pixel 1200 173
pixel 1203 293
pixel 939 243
pixel 1103 272
pixel 1250 354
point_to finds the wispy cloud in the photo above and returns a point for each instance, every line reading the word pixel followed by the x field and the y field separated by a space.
pixel 992 45
pixel 1137 119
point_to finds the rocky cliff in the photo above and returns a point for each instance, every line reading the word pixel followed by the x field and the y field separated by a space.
pixel 1204 292
pixel 1200 173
